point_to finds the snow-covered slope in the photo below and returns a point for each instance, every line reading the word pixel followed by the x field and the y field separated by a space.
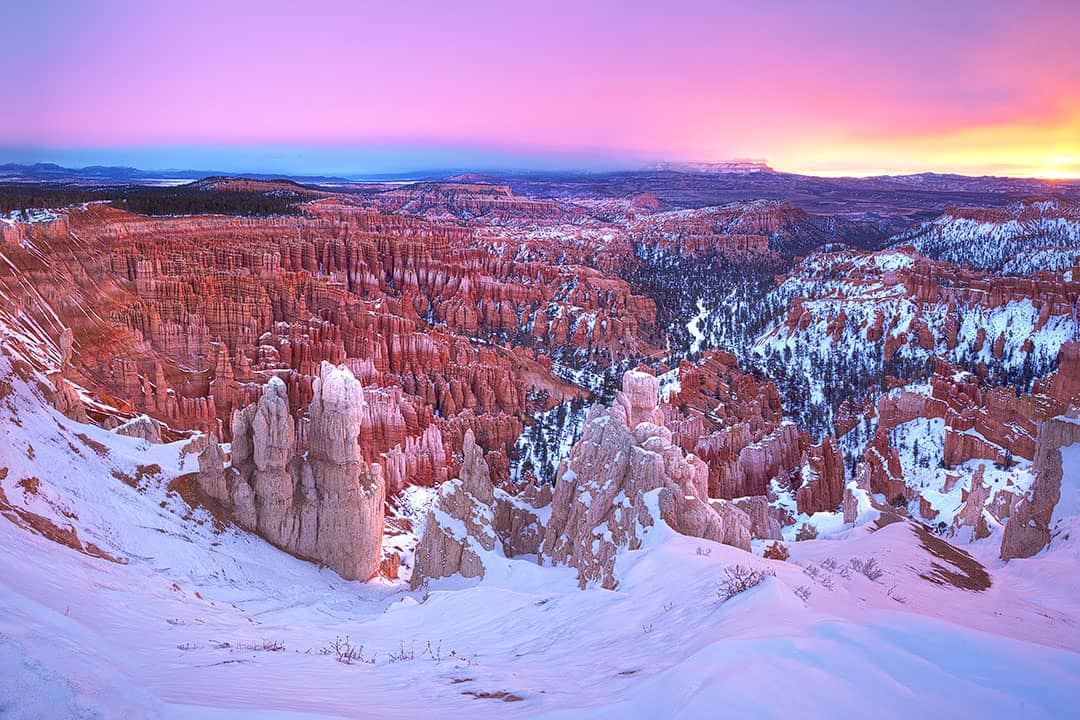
pixel 1018 239
pixel 854 318
pixel 191 619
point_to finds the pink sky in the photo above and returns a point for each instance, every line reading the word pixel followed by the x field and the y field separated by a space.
pixel 832 87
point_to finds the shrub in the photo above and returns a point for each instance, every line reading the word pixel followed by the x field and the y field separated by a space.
pixel 819 575
pixel 739 579
pixel 777 551
pixel 867 567
pixel 803 592
pixel 345 652
pixel 833 566
pixel 898 598
pixel 402 654
pixel 435 652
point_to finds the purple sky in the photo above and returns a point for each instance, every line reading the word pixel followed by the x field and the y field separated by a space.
pixel 832 87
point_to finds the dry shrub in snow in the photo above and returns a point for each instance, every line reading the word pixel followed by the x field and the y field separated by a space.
pixel 867 567
pixel 402 654
pixel 819 575
pixel 345 652
pixel 739 579
pixel 833 566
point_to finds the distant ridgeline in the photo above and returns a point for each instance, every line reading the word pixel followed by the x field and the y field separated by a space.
pixel 198 198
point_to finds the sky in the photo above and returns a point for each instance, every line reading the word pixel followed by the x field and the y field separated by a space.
pixel 354 87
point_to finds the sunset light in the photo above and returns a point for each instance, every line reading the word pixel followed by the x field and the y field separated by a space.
pixel 540 360
pixel 833 87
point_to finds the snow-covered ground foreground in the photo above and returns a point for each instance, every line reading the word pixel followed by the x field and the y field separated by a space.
pixel 209 623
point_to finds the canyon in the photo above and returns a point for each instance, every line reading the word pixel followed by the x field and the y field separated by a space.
pixel 474 382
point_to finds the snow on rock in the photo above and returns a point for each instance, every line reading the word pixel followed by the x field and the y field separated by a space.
pixel 855 318
pixel 1020 238
pixel 327 504
pixel 599 501
pixel 460 526
pixel 1030 528
pixel 143 427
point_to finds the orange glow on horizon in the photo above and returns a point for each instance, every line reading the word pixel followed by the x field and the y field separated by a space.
pixel 1048 150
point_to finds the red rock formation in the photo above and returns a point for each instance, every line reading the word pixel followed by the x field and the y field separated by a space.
pixel 993 424
pixel 884 473
pixel 822 489
pixel 460 527
pixel 753 446
pixel 185 319
pixel 736 230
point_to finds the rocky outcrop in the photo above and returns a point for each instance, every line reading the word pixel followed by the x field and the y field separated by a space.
pixel 734 423
pixel 972 512
pixel 65 396
pixel 1028 530
pixel 850 506
pixel 212 473
pixel 326 504
pixel 763 521
pixel 602 495
pixel 518 518
pixel 460 528
pixel 143 427
pixel 822 488
pixel 349 492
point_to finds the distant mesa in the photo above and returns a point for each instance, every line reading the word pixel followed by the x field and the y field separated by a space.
pixel 731 167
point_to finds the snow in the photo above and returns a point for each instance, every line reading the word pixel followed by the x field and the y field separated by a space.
pixel 1069 504
pixel 669 384
pixel 30 215
pixel 893 261
pixel 1020 239
pixel 179 630
pixel 694 327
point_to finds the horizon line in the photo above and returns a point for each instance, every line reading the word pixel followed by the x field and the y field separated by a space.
pixel 525 168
